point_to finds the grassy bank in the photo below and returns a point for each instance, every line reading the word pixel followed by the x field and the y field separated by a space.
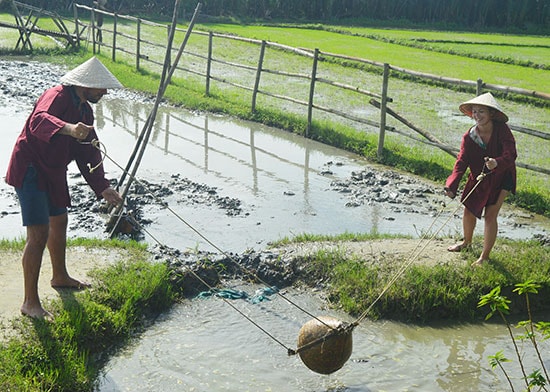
pixel 68 353
pixel 427 293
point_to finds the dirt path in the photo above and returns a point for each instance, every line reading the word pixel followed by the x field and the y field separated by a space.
pixel 79 261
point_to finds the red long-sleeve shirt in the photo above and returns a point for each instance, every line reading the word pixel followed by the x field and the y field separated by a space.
pixel 501 147
pixel 41 146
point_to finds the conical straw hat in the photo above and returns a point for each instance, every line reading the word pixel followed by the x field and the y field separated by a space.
pixel 488 100
pixel 91 74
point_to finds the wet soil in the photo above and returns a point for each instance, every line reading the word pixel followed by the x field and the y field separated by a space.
pixel 22 82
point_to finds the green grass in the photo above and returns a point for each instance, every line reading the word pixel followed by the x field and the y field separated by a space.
pixel 423 105
pixel 421 60
pixel 68 353
pixel 428 293
pixel 306 237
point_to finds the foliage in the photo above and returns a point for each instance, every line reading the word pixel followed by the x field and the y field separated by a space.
pixel 499 304
pixel 427 293
pixel 67 353
pixel 518 14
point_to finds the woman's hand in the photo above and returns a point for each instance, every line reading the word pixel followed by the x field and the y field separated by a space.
pixel 491 163
pixel 449 193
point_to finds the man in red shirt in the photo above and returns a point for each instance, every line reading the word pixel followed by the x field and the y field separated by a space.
pixel 57 132
pixel 487 149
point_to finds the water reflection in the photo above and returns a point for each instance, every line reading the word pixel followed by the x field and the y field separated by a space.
pixel 282 180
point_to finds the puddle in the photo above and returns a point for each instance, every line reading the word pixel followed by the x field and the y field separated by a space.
pixel 285 184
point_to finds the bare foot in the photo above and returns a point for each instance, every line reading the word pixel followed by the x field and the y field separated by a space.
pixel 69 283
pixel 479 262
pixel 36 313
pixel 458 247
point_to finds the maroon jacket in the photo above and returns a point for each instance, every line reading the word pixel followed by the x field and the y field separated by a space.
pixel 50 153
pixel 502 147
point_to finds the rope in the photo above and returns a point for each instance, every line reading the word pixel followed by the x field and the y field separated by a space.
pixel 414 254
pixel 96 143
pixel 343 328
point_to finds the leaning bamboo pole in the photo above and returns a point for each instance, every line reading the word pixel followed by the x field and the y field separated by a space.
pixel 141 144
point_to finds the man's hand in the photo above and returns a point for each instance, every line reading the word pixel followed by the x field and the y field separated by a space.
pixel 79 130
pixel 111 196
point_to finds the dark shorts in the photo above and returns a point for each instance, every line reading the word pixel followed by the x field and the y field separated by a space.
pixel 36 207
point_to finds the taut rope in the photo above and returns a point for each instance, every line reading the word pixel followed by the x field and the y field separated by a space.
pixel 342 329
pixel 96 143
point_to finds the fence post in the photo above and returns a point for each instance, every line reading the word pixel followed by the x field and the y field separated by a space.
pixel 312 91
pixel 209 62
pixel 168 55
pixel 382 134
pixel 76 24
pixel 113 56
pixel 479 87
pixel 258 74
pixel 92 22
pixel 138 38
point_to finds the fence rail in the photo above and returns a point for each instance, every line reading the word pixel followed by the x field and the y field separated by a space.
pixel 145 51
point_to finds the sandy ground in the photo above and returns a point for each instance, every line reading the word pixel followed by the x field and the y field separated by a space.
pixel 80 261
pixel 395 250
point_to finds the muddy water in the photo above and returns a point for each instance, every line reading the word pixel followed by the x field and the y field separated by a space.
pixel 204 345
pixel 283 183
pixel 285 186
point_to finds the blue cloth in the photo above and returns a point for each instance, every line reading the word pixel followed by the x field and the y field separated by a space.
pixel 259 296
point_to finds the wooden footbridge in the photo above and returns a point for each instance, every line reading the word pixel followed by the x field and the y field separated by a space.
pixel 26 22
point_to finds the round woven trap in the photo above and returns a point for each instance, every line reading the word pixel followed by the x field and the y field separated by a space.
pixel 330 346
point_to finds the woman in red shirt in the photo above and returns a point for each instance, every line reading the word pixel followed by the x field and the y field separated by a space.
pixel 487 149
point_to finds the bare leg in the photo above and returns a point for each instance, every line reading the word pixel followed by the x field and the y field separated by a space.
pixel 491 228
pixel 57 243
pixel 37 236
pixel 469 221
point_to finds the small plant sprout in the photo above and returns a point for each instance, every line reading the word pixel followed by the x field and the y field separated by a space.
pixel 526 288
pixel 500 304
pixel 497 360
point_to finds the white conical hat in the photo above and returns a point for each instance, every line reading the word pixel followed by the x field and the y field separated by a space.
pixel 91 74
pixel 488 100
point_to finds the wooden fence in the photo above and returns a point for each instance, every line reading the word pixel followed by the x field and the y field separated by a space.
pixel 27 23
pixel 146 49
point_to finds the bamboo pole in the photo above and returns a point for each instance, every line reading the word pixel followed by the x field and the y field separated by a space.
pixel 532 132
pixel 146 131
pixel 138 43
pixel 382 133
pixel 115 28
pixel 209 63
pixel 424 133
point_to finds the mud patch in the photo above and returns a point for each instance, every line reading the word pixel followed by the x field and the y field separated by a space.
pixel 89 212
pixel 397 192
